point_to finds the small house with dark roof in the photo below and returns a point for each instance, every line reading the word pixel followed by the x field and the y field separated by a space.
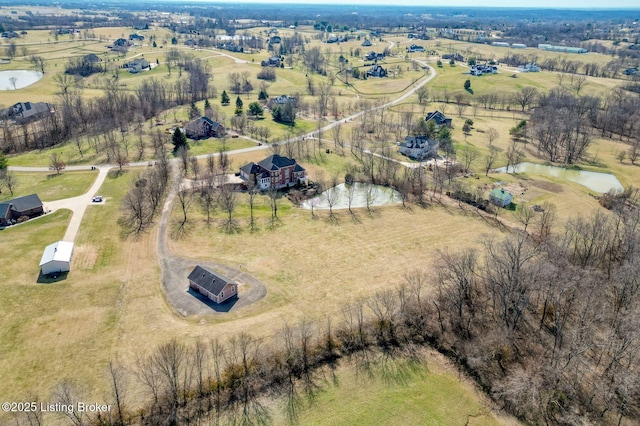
pixel 136 37
pixel 137 65
pixel 275 171
pixel 24 112
pixel 29 206
pixel 500 197
pixel 439 118
pixel 203 128
pixel 212 285
pixel 376 71
pixel 419 147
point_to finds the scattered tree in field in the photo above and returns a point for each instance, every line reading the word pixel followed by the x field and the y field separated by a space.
pixel 57 163
pixel 467 85
pixel 492 135
pixel 526 97
pixel 255 109
pixel 239 106
pixel 524 214
pixel 4 162
pixel 422 93
pixel 224 98
pixel 490 159
pixel 179 140
pixel 9 180
pixel 194 111
pixel 262 96
pixel 227 201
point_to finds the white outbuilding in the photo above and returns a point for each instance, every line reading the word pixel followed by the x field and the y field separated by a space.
pixel 56 258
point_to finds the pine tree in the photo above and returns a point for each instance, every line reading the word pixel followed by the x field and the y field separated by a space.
pixel 239 106
pixel 179 140
pixel 207 105
pixel 224 98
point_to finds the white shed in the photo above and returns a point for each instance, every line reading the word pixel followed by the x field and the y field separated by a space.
pixel 56 258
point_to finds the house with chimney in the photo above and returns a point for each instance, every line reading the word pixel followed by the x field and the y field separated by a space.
pixel 274 172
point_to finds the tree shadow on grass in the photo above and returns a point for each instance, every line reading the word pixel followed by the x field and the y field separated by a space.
pixel 180 230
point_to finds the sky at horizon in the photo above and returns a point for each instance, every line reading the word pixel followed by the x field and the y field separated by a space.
pixel 525 4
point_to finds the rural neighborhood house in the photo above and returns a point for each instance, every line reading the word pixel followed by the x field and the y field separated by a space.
pixel 28 206
pixel 500 197
pixel 212 285
pixel 275 171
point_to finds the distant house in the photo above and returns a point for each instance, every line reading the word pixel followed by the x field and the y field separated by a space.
pixel 212 285
pixel 122 42
pixel 415 48
pixel 203 128
pixel 273 61
pixel 274 171
pixel 230 46
pixel 531 67
pixel 24 112
pixel 500 197
pixel 366 42
pixel 137 65
pixel 11 210
pixel 282 100
pixel 373 56
pixel 518 46
pixel 136 37
pixel 631 71
pixel 275 40
pixel 419 147
pixel 439 118
pixel 376 71
pixel 480 69
pixel 191 43
pixel 56 258
pixel 10 34
pixel 455 56
pixel 333 39
pixel 500 44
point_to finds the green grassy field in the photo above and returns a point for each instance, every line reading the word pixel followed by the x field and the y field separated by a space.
pixel 393 392
pixel 50 186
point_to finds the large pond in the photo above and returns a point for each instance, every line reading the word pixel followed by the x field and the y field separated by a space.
pixel 599 182
pixel 378 196
pixel 18 79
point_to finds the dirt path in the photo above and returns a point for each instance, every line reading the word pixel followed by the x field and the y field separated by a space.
pixel 176 269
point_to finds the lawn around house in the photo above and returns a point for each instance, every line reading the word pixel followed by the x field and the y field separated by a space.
pixel 51 186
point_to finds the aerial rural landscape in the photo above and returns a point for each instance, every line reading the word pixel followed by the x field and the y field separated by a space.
pixel 355 214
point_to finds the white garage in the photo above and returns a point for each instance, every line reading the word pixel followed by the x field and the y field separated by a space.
pixel 56 258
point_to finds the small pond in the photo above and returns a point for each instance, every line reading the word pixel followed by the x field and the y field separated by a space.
pixel 599 182
pixel 380 196
pixel 18 79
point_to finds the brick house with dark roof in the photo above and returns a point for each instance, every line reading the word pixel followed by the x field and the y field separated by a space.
pixel 29 205
pixel 212 285
pixel 203 128
pixel 274 171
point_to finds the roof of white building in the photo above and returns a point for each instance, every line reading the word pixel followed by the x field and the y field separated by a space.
pixel 59 251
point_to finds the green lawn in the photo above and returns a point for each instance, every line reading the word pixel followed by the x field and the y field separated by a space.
pixel 50 186
pixel 397 392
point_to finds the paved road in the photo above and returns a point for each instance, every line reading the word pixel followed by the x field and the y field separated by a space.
pixel 78 205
